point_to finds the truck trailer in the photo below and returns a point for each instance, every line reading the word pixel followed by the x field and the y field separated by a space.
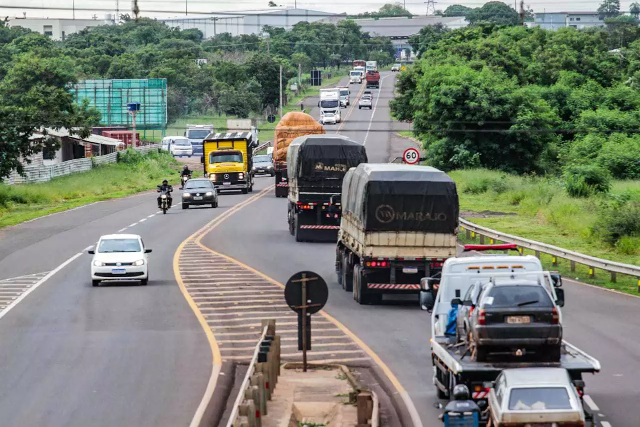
pixel 317 165
pixel 399 224
pixel 291 126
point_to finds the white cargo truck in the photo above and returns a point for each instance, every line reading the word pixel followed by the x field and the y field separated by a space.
pixel 372 66
pixel 196 135
pixel 355 76
pixel 329 106
pixel 399 224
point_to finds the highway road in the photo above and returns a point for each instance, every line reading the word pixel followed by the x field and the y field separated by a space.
pixel 73 355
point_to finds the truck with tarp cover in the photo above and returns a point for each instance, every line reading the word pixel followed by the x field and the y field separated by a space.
pixel 399 224
pixel 290 126
pixel 317 165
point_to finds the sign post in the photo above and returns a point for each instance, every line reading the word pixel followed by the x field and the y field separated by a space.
pixel 305 293
pixel 411 156
pixel 133 108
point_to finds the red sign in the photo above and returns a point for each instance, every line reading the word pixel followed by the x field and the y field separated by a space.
pixel 411 156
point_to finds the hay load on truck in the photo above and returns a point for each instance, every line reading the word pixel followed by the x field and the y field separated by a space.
pixel 399 224
pixel 316 166
pixel 228 159
pixel 196 135
pixel 291 126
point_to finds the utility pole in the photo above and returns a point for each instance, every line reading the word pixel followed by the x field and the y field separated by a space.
pixel 186 7
pixel 522 12
pixel 281 91
pixel 117 10
pixel 74 9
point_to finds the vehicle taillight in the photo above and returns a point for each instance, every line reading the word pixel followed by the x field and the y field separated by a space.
pixel 437 264
pixel 556 319
pixel 471 310
pixel 482 317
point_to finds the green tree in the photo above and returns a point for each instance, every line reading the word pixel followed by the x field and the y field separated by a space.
pixel 634 9
pixel 495 12
pixel 388 10
pixel 609 8
pixel 457 10
pixel 427 36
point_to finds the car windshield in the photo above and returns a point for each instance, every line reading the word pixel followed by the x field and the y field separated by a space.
pixel 517 296
pixel 182 142
pixel 234 157
pixel 355 73
pixel 118 245
pixel 262 159
pixel 199 183
pixel 539 399
pixel 344 92
pixel 198 133
pixel 329 104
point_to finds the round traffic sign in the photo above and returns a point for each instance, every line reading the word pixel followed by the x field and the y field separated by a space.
pixel 411 156
pixel 317 292
pixel 271 118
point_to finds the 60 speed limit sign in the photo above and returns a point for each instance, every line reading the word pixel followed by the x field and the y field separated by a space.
pixel 411 156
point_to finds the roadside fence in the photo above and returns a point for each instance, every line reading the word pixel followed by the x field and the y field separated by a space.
pixel 613 268
pixel 259 382
pixel 42 173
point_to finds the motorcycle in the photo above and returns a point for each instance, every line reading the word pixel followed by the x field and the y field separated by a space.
pixel 183 180
pixel 164 198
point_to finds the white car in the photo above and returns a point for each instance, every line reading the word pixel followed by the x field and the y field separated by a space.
pixel 536 396
pixel 181 146
pixel 366 101
pixel 396 67
pixel 328 119
pixel 120 257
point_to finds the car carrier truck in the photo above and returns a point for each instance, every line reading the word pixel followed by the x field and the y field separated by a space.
pixel 317 165
pixel 453 363
pixel 399 224
pixel 291 126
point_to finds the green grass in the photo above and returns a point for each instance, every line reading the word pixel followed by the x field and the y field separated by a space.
pixel 540 209
pixel 19 203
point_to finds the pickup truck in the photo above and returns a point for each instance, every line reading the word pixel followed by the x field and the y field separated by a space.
pixel 373 79
pixel 452 363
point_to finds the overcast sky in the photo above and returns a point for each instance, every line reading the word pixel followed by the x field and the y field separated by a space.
pixel 63 8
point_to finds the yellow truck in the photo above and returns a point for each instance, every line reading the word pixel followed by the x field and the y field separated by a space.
pixel 228 159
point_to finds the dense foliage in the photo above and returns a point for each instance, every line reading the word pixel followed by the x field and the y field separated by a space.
pixel 386 11
pixel 527 100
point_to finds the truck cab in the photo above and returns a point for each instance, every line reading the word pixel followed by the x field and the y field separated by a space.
pixel 355 77
pixel 228 160
pixel 196 135
pixel 330 106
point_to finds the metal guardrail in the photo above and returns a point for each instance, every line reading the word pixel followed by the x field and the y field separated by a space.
pixel 575 257
pixel 259 382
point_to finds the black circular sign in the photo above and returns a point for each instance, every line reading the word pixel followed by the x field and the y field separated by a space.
pixel 317 292
pixel 271 118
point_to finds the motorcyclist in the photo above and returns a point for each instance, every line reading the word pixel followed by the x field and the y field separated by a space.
pixel 185 171
pixel 461 403
pixel 165 188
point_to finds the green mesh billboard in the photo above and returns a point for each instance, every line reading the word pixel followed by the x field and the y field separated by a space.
pixel 110 97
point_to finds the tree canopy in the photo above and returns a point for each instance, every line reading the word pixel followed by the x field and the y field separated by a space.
pixel 456 10
pixel 493 12
pixel 386 11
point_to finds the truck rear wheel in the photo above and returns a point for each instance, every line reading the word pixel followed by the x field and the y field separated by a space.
pixel 291 222
pixel 347 274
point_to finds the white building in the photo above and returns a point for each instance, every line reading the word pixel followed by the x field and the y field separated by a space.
pixel 57 29
pixel 249 22
pixel 556 20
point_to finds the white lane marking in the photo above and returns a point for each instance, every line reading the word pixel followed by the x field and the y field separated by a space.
pixel 142 220
pixel 40 282
pixel 132 225
pixel 373 114
pixel 151 216
pixel 589 401
pixel 605 424
pixel 122 229
pixel 87 248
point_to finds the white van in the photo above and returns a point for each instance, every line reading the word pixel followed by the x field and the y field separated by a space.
pixel 178 146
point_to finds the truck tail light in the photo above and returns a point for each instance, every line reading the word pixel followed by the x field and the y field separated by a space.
pixel 555 319
pixel 482 317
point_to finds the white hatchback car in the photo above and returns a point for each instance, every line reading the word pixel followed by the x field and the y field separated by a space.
pixel 120 257
pixel 181 146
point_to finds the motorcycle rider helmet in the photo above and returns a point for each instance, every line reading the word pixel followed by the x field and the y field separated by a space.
pixel 165 182
pixel 185 167
pixel 461 392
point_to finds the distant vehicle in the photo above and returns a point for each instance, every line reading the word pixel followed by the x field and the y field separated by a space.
pixel 180 146
pixel 166 142
pixel 263 165
pixel 228 160
pixel 196 135
pixel 362 70
pixel 509 315
pixel 329 106
pixel 359 63
pixel 371 66
pixel 355 77
pixel 198 192
pixel 344 97
pixel 536 397
pixel 366 101
pixel 120 257
pixel 373 80
pixel 396 67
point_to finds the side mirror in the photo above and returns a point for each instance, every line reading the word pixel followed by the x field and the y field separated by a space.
pixel 467 303
pixel 456 301
pixel 560 297
pixel 578 383
pixel 91 252
pixel 148 251
pixel 557 279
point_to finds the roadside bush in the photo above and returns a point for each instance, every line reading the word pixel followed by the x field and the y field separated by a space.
pixel 479 186
pixel 620 155
pixel 628 245
pixel 619 225
pixel 586 180
pixel 130 156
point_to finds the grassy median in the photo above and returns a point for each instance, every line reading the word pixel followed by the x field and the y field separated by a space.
pixel 133 174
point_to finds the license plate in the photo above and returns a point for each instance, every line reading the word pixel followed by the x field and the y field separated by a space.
pixel 226 183
pixel 118 270
pixel 518 319
pixel 410 270
pixel 197 198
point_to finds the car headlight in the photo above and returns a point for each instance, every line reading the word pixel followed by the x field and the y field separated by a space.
pixel 98 264
pixel 186 195
pixel 139 262
pixel 212 176
pixel 240 175
pixel 209 193
pixel 253 167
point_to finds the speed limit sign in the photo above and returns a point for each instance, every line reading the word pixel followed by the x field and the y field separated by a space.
pixel 411 156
